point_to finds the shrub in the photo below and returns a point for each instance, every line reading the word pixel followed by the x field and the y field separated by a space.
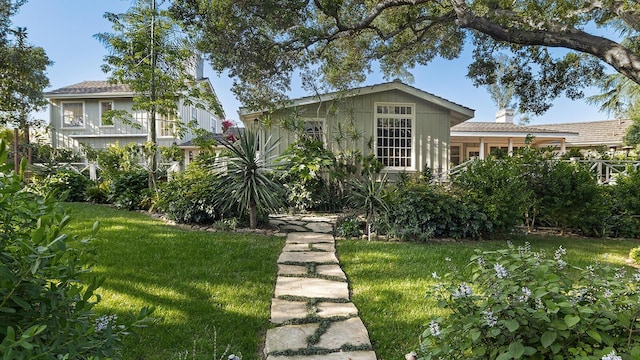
pixel 98 193
pixel 65 184
pixel 517 303
pixel 624 219
pixel 498 190
pixel 190 197
pixel 349 227
pixel 570 198
pixel 419 211
pixel 634 255
pixel 47 293
pixel 129 190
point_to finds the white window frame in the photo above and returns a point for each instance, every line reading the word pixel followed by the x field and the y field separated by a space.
pixel 161 131
pixel 100 113
pixel 62 116
pixel 401 122
pixel 311 128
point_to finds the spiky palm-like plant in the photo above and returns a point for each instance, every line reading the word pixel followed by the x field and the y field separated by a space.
pixel 244 179
pixel 368 194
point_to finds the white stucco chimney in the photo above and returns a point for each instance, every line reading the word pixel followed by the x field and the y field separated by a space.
pixel 505 116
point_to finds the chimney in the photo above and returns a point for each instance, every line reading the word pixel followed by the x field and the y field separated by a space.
pixel 195 67
pixel 505 116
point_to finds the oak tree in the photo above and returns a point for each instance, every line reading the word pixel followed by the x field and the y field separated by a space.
pixel 555 47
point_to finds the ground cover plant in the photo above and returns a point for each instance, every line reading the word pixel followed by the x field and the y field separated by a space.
pixel 207 288
pixel 390 280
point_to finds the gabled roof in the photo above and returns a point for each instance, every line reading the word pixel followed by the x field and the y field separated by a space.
pixel 91 88
pixel 606 132
pixel 476 128
pixel 462 113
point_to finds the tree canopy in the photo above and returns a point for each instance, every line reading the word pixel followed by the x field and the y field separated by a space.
pixel 263 42
pixel 22 70
pixel 149 52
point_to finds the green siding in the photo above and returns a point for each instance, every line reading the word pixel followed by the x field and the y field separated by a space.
pixel 431 129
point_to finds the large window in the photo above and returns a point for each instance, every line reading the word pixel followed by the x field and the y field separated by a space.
pixel 393 134
pixel 105 106
pixel 72 115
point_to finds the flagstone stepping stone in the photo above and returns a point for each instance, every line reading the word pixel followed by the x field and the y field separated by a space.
pixel 331 270
pixel 288 337
pixel 284 269
pixel 311 288
pixel 347 332
pixel 299 247
pixel 341 355
pixel 308 237
pixel 329 309
pixel 307 257
pixel 292 228
pixel 320 227
pixel 285 310
pixel 323 247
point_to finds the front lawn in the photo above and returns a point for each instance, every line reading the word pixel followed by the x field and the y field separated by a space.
pixel 208 288
pixel 389 280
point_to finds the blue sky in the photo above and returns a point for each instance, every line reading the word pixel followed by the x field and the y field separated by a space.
pixel 65 29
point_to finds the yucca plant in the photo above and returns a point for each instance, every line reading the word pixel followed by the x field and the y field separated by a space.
pixel 244 177
pixel 368 194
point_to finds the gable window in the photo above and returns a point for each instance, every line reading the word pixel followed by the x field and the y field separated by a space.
pixel 313 130
pixel 394 142
pixel 105 106
pixel 73 115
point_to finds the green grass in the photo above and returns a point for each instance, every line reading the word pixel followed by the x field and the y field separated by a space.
pixel 202 284
pixel 389 280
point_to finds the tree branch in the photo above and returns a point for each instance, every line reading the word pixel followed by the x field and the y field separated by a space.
pixel 621 58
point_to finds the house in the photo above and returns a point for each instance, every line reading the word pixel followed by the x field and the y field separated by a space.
pixel 76 117
pixel 479 139
pixel 406 128
pixel 593 134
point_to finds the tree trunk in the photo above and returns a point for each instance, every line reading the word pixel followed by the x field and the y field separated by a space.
pixel 253 215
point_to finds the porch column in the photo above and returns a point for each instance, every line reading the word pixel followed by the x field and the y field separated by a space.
pixel 481 148
pixel 563 146
pixel 510 149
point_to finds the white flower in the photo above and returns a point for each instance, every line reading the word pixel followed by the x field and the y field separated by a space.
pixel 611 356
pixel 489 318
pixel 435 276
pixel 463 290
pixel 591 270
pixel 103 321
pixel 526 293
pixel 434 328
pixel 561 264
pixel 636 276
pixel 620 273
pixel 447 259
pixel 501 272
pixel 559 253
pixel 481 261
pixel 608 293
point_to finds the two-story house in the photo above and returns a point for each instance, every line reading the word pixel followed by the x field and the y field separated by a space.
pixel 76 117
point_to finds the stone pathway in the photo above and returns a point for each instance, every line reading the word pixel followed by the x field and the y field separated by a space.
pixel 311 308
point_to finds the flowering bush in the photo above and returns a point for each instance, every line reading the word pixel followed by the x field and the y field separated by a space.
pixel 517 303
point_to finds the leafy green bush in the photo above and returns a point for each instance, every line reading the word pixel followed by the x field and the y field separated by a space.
pixel 64 183
pixel 634 255
pixel 498 190
pixel 518 303
pixel 624 219
pixel 349 227
pixel 47 293
pixel 129 190
pixel 98 193
pixel 190 197
pixel 569 197
pixel 303 165
pixel 419 211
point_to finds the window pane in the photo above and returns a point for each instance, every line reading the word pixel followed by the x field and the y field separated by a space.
pixel 72 115
pixel 393 132
pixel 105 106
